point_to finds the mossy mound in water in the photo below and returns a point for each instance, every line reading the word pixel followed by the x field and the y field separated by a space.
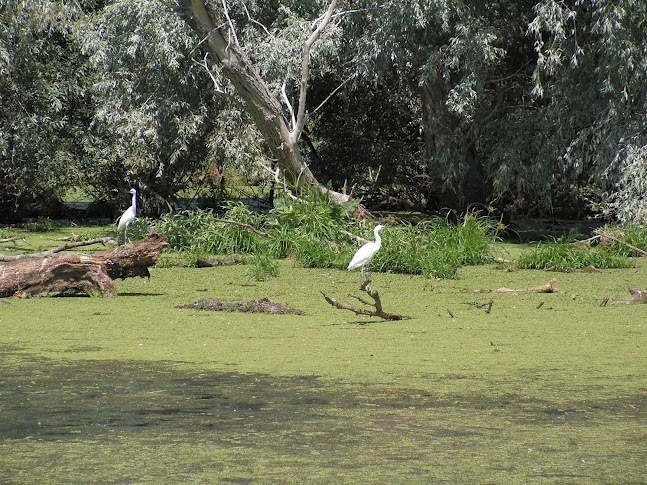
pixel 252 306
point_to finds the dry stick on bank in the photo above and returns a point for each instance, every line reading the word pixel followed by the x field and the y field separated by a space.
pixel 378 312
pixel 80 273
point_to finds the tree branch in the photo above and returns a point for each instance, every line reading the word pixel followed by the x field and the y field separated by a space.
pixel 602 237
pixel 242 224
pixel 305 65
pixel 45 254
pixel 378 312
pixel 289 105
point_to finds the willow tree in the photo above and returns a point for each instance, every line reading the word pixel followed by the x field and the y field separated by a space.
pixel 218 36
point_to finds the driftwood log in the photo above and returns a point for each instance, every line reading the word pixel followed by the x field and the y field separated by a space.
pixel 637 296
pixel 80 273
pixel 378 311
pixel 547 288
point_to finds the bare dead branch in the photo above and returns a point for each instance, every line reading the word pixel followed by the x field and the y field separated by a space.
pixel 359 239
pixel 275 174
pixel 45 254
pixel 286 100
pixel 377 304
pixel 604 237
pixel 547 288
pixel 305 65
pixel 80 273
pixel 232 32
pixel 256 22
pixel 12 239
pixel 334 91
pixel 242 224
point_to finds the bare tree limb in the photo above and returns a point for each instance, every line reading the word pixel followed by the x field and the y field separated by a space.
pixel 602 237
pixel 377 305
pixel 256 22
pixel 334 91
pixel 45 254
pixel 232 31
pixel 359 239
pixel 216 84
pixel 242 224
pixel 275 174
pixel 305 65
pixel 12 239
pixel 286 100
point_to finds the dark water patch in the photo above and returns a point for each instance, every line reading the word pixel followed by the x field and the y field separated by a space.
pixel 286 422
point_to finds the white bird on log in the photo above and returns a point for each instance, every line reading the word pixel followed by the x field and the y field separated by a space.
pixel 128 216
pixel 364 254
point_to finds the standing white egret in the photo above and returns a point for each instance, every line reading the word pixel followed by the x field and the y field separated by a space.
pixel 128 216
pixel 364 254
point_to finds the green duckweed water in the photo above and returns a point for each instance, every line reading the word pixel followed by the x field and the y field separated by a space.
pixel 132 389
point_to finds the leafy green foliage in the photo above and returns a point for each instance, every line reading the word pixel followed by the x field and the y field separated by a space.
pixel 150 128
pixel 41 224
pixel 44 108
pixel 313 232
pixel 562 254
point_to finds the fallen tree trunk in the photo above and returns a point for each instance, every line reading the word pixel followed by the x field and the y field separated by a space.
pixel 80 273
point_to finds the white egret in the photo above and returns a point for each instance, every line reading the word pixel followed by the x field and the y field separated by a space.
pixel 128 216
pixel 364 254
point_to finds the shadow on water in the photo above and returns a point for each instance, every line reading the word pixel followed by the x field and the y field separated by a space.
pixel 348 431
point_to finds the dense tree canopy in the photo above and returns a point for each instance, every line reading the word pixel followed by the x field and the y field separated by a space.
pixel 534 106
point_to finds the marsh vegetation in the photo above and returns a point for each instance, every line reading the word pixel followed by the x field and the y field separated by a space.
pixel 134 388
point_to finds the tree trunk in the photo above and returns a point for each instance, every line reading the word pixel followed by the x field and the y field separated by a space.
pixel 209 21
pixel 80 273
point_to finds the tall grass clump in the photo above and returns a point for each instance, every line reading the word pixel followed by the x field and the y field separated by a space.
pixel 263 266
pixel 198 231
pixel 564 254
pixel 310 229
pixel 438 247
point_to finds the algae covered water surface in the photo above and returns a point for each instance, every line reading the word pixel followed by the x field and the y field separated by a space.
pixel 545 388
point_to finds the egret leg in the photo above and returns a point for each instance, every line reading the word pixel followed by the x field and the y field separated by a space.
pixel 126 234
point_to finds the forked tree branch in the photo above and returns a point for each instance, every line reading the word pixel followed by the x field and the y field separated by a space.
pixel 305 66
pixel 377 305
